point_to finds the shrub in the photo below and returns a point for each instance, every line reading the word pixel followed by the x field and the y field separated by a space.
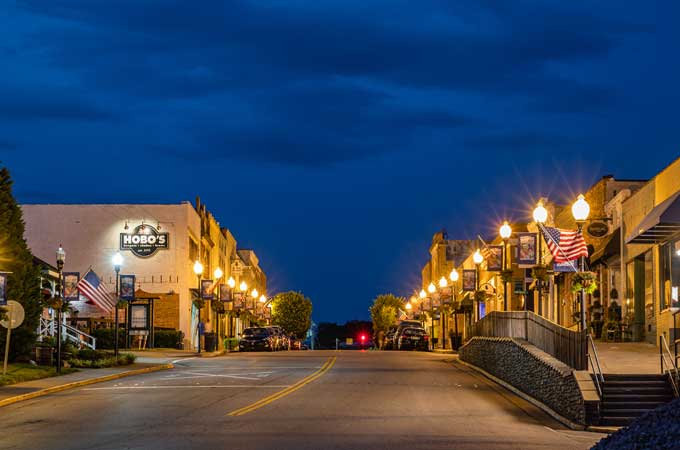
pixel 168 338
pixel 105 338
pixel 94 359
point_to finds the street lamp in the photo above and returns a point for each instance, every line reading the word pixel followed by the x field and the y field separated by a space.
pixel 453 276
pixel 254 293
pixel 477 258
pixel 540 216
pixel 243 287
pixel 198 270
pixel 217 274
pixel 431 288
pixel 231 282
pixel 505 232
pixel 443 283
pixel 580 210
pixel 117 261
pixel 61 258
pixel 422 294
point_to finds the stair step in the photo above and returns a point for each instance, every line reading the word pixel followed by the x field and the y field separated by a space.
pixel 619 405
pixel 636 383
pixel 634 377
pixel 616 421
pixel 648 390
pixel 607 412
pixel 626 398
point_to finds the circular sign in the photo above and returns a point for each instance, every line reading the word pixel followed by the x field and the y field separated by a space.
pixel 15 314
pixel 598 229
pixel 144 241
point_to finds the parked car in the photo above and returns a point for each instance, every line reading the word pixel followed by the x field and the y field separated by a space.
pixel 390 339
pixel 257 338
pixel 297 344
pixel 413 339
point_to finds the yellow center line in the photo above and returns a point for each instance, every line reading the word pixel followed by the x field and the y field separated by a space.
pixel 289 390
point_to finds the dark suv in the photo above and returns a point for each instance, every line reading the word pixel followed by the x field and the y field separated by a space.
pixel 257 338
pixel 413 339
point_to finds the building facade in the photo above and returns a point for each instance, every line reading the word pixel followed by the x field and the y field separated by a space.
pixel 159 243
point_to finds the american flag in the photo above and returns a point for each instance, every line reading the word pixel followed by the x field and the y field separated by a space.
pixel 94 290
pixel 565 245
pixel 486 252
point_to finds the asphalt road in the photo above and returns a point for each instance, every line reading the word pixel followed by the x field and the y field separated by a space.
pixel 292 400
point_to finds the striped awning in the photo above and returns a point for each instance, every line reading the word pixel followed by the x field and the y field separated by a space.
pixel 662 223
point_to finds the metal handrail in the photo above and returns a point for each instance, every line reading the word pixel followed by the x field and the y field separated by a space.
pixel 47 327
pixel 672 370
pixel 597 369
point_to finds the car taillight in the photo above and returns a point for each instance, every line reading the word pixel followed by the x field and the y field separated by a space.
pixel 426 338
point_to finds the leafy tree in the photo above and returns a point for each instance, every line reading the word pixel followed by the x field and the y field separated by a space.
pixel 384 314
pixel 23 283
pixel 292 311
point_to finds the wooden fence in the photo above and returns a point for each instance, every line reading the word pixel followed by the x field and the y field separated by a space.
pixel 567 345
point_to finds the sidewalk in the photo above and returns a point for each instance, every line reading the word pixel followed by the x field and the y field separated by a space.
pixel 628 357
pixel 31 389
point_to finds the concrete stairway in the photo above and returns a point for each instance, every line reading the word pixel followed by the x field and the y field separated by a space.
pixel 626 397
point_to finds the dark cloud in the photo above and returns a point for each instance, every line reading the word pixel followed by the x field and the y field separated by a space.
pixel 26 103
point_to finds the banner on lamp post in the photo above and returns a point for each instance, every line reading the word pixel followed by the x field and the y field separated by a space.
pixel 225 293
pixel 127 288
pixel 469 280
pixel 207 289
pixel 71 292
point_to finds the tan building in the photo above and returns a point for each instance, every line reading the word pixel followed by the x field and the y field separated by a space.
pixel 651 256
pixel 159 244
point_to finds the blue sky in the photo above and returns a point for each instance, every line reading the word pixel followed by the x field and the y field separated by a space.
pixel 335 138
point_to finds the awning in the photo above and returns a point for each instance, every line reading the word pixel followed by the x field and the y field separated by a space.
pixel 610 247
pixel 660 224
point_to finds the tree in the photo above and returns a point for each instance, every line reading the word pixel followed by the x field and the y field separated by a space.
pixel 23 283
pixel 384 314
pixel 292 311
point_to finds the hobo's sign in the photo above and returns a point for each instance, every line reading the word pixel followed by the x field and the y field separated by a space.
pixel 144 241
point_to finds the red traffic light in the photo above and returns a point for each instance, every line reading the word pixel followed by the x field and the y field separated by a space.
pixel 362 337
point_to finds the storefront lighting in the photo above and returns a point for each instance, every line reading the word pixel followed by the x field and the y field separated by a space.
pixel 218 273
pixel 540 213
pixel 198 268
pixel 477 257
pixel 505 230
pixel 580 209
pixel 453 276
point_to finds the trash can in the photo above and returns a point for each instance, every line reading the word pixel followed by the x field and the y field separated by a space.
pixel 210 340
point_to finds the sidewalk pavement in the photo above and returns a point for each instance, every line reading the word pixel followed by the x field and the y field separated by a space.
pixel 36 388
pixel 628 357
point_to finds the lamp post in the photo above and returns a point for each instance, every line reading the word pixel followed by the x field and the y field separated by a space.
pixel 422 295
pixel 540 216
pixel 477 258
pixel 117 261
pixel 453 276
pixel 61 257
pixel 505 233
pixel 217 273
pixel 198 270
pixel 442 315
pixel 232 324
pixel 243 289
pixel 580 210
pixel 431 288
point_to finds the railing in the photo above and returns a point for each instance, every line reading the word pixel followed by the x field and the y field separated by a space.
pixel 595 364
pixel 666 358
pixel 568 346
pixel 47 327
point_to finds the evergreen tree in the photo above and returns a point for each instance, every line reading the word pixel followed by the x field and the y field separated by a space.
pixel 23 283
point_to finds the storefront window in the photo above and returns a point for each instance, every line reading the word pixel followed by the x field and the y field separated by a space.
pixel 670 274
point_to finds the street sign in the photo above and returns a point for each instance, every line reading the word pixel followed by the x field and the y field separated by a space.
pixel 15 317
pixel 14 313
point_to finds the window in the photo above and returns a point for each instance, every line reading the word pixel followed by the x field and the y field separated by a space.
pixel 193 250
pixel 669 274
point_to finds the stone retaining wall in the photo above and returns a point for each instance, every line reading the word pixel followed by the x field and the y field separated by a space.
pixel 530 370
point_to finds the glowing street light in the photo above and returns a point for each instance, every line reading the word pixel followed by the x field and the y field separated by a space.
pixel 443 283
pixel 422 293
pixel 505 231
pixel 580 210
pixel 198 268
pixel 453 276
pixel 477 257
pixel 254 293
pixel 243 287
pixel 218 273
pixel 231 282
pixel 540 213
pixel 431 288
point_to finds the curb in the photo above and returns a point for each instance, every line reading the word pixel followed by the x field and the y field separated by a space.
pixel 545 408
pixel 75 384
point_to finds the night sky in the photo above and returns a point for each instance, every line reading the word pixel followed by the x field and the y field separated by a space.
pixel 334 138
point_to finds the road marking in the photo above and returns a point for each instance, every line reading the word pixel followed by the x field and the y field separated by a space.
pixel 289 390
pixel 183 359
pixel 241 386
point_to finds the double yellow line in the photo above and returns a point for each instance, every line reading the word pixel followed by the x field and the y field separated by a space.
pixel 289 390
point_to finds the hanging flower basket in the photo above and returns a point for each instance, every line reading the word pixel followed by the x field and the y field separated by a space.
pixel 540 273
pixel 199 304
pixel 121 304
pixel 506 276
pixel 481 296
pixel 218 307
pixel 584 280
